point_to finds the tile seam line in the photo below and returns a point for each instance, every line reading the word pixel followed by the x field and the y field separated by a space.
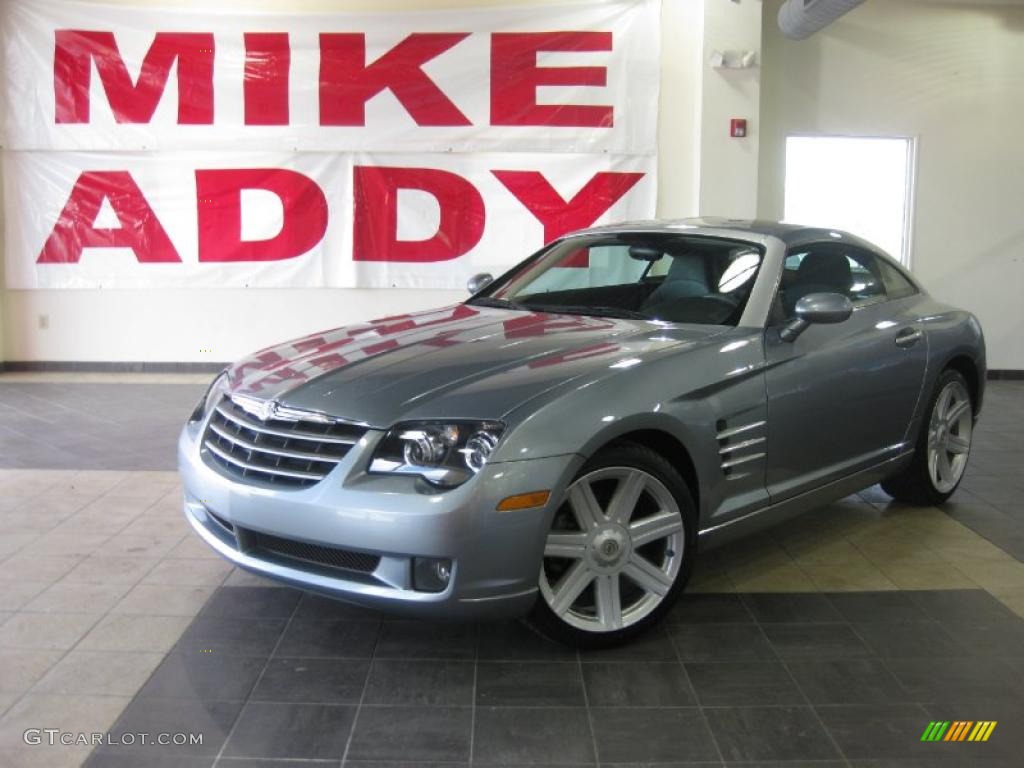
pixel 817 717
pixel 586 707
pixel 248 697
pixel 472 701
pixel 362 693
pixel 87 632
pixel 693 689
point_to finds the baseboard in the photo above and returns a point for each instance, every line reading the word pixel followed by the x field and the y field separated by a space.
pixel 66 366
pixel 1005 375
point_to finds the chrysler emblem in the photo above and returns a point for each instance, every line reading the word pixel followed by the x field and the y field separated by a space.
pixel 261 409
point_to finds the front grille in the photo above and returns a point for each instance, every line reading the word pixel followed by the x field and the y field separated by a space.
pixel 282 451
pixel 257 543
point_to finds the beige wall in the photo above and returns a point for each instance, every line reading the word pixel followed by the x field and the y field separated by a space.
pixel 3 293
pixel 951 75
pixel 728 169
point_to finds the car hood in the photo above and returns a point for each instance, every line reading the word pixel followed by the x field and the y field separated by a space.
pixel 457 362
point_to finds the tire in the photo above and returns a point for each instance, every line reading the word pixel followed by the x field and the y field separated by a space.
pixel 619 552
pixel 942 449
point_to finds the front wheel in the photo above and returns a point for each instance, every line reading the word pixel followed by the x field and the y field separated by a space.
pixel 619 551
pixel 943 446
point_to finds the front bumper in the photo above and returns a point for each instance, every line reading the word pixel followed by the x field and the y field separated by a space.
pixel 495 555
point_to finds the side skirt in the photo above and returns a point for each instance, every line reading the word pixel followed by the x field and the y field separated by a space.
pixel 773 514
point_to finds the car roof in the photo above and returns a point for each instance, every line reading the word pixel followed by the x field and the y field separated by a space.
pixel 790 234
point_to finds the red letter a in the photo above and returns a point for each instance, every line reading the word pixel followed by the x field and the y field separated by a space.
pixel 75 229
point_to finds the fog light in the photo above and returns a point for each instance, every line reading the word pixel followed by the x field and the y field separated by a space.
pixel 431 574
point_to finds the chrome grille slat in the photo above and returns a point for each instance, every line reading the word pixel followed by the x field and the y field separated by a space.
pixel 237 439
pixel 288 452
pixel 240 417
pixel 259 468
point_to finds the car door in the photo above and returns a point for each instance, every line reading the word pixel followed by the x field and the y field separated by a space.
pixel 840 397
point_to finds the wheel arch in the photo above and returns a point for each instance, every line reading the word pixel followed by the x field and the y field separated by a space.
pixel 669 447
pixel 640 442
pixel 967 368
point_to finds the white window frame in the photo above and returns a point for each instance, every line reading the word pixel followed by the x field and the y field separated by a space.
pixel 909 193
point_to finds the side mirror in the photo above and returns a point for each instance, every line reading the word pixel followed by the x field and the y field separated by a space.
pixel 824 308
pixel 478 282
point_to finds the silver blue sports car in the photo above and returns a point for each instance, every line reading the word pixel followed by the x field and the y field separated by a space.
pixel 562 444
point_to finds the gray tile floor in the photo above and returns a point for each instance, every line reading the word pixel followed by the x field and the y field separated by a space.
pixel 733 679
pixel 55 425
pixel 112 618
pixel 989 500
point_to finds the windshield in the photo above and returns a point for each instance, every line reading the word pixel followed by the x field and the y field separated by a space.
pixel 677 278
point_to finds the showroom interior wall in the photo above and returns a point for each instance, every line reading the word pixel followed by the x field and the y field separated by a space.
pixel 946 73
pixel 175 325
pixel 951 75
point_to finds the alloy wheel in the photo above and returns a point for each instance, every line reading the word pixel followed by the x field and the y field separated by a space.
pixel 949 436
pixel 614 551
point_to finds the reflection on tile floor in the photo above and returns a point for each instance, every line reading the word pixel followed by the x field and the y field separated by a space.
pixel 834 638
pixel 114 425
pixel 740 677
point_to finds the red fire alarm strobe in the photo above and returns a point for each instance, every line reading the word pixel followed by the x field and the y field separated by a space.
pixel 738 128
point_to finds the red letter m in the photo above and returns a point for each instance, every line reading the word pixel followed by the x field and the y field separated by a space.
pixel 133 102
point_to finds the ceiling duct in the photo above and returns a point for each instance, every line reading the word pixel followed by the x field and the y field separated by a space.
pixel 802 18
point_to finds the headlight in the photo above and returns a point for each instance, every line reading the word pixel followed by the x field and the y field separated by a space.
pixel 217 389
pixel 446 454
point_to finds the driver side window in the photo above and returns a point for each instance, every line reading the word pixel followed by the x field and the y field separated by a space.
pixel 830 268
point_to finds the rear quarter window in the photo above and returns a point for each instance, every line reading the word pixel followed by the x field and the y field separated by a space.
pixel 896 285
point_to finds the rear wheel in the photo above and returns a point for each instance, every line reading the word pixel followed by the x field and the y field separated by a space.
pixel 942 449
pixel 619 551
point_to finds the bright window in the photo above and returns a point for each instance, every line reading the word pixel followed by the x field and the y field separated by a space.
pixel 861 185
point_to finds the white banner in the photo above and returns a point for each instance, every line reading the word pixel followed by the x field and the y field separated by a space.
pixel 165 147
pixel 306 219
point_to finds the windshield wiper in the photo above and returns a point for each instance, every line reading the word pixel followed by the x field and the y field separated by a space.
pixel 584 309
pixel 567 309
pixel 489 301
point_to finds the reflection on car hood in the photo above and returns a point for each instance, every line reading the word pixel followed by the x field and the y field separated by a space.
pixel 461 361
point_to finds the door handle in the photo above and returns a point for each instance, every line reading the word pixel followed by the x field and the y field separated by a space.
pixel 908 337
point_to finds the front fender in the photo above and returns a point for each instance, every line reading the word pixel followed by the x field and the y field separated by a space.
pixel 688 396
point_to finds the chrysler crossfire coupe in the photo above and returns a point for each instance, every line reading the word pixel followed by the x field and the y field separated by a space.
pixel 561 445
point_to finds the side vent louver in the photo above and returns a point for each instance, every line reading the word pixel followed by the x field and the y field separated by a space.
pixel 739 446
